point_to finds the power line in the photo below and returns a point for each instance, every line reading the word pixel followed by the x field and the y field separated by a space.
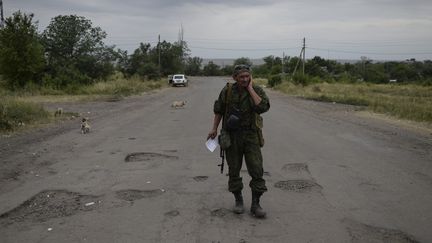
pixel 243 49
pixel 373 53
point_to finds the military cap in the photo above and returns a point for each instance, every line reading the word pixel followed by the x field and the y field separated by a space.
pixel 241 68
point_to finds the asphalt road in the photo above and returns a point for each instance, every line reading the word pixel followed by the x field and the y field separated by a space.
pixel 143 174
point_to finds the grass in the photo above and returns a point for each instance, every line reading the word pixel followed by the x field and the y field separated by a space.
pixel 412 102
pixel 22 108
pixel 15 114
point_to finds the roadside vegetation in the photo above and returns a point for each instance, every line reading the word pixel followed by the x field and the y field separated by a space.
pixel 410 101
pixel 15 114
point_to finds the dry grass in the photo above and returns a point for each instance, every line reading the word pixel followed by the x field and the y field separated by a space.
pixel 15 114
pixel 412 102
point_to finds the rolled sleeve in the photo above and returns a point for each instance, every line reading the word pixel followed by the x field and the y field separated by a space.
pixel 219 105
pixel 264 105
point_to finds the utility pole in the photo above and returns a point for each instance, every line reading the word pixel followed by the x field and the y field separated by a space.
pixel 159 54
pixel 1 15
pixel 283 62
pixel 304 54
pixel 302 57
pixel 181 42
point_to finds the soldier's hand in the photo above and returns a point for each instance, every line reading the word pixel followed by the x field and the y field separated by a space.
pixel 250 86
pixel 212 134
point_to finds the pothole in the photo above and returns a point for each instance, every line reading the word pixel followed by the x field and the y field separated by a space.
pixel 366 233
pixel 219 212
pixel 200 178
pixel 296 167
pixel 172 213
pixel 171 150
pixel 50 204
pixel 298 185
pixel 132 195
pixel 137 157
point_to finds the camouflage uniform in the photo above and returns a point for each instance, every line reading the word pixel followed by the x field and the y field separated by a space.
pixel 245 141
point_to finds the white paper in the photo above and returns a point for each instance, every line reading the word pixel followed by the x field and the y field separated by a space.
pixel 211 144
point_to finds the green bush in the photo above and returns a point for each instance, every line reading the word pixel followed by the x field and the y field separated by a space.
pixel 275 80
pixel 301 79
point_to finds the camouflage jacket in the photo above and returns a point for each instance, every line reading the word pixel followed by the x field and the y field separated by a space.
pixel 244 103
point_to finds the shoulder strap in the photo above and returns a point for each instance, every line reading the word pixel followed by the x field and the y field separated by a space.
pixel 227 101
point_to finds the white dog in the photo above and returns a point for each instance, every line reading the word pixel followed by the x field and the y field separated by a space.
pixel 178 104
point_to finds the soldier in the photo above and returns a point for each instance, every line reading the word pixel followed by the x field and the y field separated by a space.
pixel 240 105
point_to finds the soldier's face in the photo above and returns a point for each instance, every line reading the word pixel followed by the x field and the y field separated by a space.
pixel 243 79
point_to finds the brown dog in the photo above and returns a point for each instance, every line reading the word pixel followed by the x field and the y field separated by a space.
pixel 85 126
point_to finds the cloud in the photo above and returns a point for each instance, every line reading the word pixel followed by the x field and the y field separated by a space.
pixel 212 25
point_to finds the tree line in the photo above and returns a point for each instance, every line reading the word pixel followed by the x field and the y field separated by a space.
pixel 71 52
pixel 317 69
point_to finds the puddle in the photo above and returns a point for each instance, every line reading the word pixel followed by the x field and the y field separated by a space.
pixel 200 178
pixel 298 185
pixel 367 233
pixel 132 195
pixel 137 157
pixel 50 204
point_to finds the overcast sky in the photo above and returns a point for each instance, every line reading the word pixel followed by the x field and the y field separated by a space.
pixel 336 29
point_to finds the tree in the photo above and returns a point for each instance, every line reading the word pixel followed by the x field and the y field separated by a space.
pixel 21 54
pixel 193 66
pixel 139 58
pixel 171 56
pixel 211 69
pixel 270 65
pixel 73 44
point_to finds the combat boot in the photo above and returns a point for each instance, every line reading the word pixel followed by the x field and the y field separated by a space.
pixel 256 209
pixel 239 207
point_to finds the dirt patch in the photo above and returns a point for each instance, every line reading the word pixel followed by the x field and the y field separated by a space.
pixel 220 212
pixel 50 204
pixel 298 185
pixel 296 167
pixel 132 195
pixel 367 233
pixel 200 178
pixel 145 156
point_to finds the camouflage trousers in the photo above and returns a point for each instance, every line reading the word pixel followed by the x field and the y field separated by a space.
pixel 245 143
